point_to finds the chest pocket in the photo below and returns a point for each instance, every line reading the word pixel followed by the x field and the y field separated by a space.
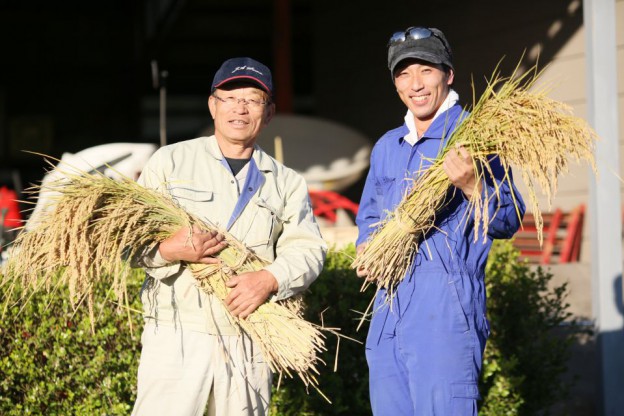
pixel 196 201
pixel 384 190
pixel 268 223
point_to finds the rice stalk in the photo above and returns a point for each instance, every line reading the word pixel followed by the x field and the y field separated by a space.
pixel 94 224
pixel 512 119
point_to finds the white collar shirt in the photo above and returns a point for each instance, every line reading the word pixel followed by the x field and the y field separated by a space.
pixel 412 137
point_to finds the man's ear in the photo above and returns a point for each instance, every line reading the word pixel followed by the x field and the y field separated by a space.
pixel 451 77
pixel 269 112
pixel 212 106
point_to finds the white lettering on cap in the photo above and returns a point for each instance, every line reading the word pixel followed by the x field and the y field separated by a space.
pixel 248 68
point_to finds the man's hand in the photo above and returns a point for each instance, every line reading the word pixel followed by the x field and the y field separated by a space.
pixel 361 271
pixel 459 167
pixel 249 291
pixel 198 247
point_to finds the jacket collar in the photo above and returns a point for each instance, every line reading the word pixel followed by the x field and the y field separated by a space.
pixel 263 161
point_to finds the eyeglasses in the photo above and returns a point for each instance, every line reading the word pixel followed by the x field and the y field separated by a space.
pixel 416 33
pixel 251 103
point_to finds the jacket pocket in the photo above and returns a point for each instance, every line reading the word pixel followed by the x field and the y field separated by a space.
pixel 189 194
pixel 465 390
pixel 384 187
pixel 196 201
pixel 458 309
pixel 268 222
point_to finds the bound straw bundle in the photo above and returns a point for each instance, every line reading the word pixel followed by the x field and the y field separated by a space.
pixel 95 222
pixel 513 120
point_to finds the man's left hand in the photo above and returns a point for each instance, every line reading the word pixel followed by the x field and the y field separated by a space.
pixel 459 167
pixel 249 291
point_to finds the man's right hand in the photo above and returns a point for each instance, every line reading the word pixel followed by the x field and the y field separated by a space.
pixel 196 247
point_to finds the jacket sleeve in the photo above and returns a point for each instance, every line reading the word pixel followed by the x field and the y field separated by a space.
pixel 369 212
pixel 300 250
pixel 505 204
pixel 153 176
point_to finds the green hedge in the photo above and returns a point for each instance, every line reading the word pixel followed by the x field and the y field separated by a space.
pixel 52 364
pixel 336 296
pixel 528 349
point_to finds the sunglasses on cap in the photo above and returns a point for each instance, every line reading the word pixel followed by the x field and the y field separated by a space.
pixel 416 33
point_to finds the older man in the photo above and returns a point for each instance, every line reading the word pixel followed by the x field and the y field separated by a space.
pixel 425 351
pixel 193 358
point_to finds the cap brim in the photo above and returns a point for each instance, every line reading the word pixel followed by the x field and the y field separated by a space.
pixel 422 55
pixel 246 78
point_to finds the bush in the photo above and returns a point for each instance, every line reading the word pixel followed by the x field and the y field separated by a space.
pixel 52 363
pixel 528 349
pixel 334 299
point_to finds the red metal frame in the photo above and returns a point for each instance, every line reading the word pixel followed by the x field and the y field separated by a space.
pixel 562 237
pixel 550 238
pixel 572 243
pixel 325 204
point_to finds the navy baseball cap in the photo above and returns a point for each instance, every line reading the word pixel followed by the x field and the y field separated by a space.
pixel 427 44
pixel 244 69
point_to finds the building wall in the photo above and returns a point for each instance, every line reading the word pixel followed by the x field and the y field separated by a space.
pixel 567 71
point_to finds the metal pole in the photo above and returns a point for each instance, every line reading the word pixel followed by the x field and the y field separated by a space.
pixel 606 206
pixel 159 82
pixel 163 108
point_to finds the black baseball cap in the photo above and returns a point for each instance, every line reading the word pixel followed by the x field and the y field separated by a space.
pixel 426 43
pixel 244 69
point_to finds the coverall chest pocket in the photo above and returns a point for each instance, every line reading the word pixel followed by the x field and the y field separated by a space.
pixel 268 222
pixel 384 190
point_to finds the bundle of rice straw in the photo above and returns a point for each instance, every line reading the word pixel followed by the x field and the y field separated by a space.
pixel 513 120
pixel 94 222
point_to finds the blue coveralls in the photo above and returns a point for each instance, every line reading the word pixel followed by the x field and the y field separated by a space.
pixel 425 352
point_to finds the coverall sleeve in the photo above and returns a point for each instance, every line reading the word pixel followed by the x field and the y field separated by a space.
pixel 300 249
pixel 369 212
pixel 153 176
pixel 506 206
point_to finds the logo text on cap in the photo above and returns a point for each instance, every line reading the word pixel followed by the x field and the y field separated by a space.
pixel 245 67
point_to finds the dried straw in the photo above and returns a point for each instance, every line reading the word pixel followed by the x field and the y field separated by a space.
pixel 93 223
pixel 512 119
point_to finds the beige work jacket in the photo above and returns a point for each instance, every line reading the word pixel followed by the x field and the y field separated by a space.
pixel 272 216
